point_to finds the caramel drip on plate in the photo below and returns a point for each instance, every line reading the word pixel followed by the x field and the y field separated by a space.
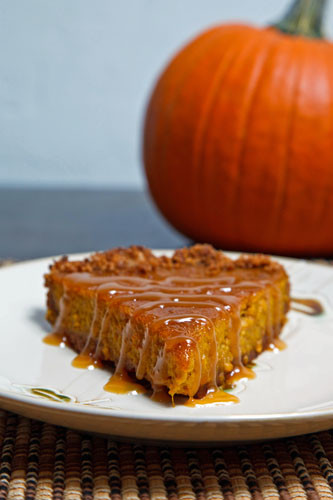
pixel 56 339
pixel 121 383
pixel 182 306
pixel 311 307
pixel 238 373
pixel 86 361
pixel 160 395
pixel 278 344
pixel 216 396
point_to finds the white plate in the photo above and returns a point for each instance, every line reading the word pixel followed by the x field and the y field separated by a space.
pixel 292 393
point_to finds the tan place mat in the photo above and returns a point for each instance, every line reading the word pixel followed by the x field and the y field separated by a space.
pixel 42 461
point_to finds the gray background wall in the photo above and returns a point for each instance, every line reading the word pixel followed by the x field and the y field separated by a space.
pixel 75 76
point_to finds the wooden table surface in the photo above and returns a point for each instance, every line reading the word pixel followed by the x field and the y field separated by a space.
pixel 43 222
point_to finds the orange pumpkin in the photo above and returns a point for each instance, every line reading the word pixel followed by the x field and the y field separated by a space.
pixel 238 139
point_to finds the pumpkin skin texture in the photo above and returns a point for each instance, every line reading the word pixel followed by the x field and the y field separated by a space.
pixel 238 141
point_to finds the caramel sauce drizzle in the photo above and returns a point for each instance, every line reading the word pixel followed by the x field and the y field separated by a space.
pixel 278 344
pixel 121 383
pixel 181 305
pixel 56 339
pixel 216 396
pixel 86 361
pixel 160 395
pixel 311 307
pixel 238 373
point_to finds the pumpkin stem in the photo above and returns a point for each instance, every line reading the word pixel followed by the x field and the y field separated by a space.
pixel 305 17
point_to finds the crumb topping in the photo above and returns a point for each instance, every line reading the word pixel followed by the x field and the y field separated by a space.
pixel 257 261
pixel 138 260
pixel 202 255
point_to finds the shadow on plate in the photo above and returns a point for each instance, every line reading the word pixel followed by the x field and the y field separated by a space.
pixel 37 316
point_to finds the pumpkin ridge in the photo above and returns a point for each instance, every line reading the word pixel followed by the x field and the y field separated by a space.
pixel 258 75
pixel 320 174
pixel 277 205
pixel 159 93
pixel 204 120
pixel 211 177
pixel 266 172
pixel 284 172
pixel 274 142
pixel 152 126
pixel 163 138
pixel 325 212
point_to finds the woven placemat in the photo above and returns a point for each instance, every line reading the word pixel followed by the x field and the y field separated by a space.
pixel 42 461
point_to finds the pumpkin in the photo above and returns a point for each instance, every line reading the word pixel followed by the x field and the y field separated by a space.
pixel 238 137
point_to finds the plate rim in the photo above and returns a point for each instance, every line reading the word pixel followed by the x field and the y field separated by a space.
pixel 72 407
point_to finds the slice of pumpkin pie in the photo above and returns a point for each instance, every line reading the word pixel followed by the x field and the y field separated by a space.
pixel 189 322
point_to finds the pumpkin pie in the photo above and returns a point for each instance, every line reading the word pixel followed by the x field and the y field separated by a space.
pixel 189 322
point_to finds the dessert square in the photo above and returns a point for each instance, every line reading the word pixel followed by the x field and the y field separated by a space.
pixel 189 323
